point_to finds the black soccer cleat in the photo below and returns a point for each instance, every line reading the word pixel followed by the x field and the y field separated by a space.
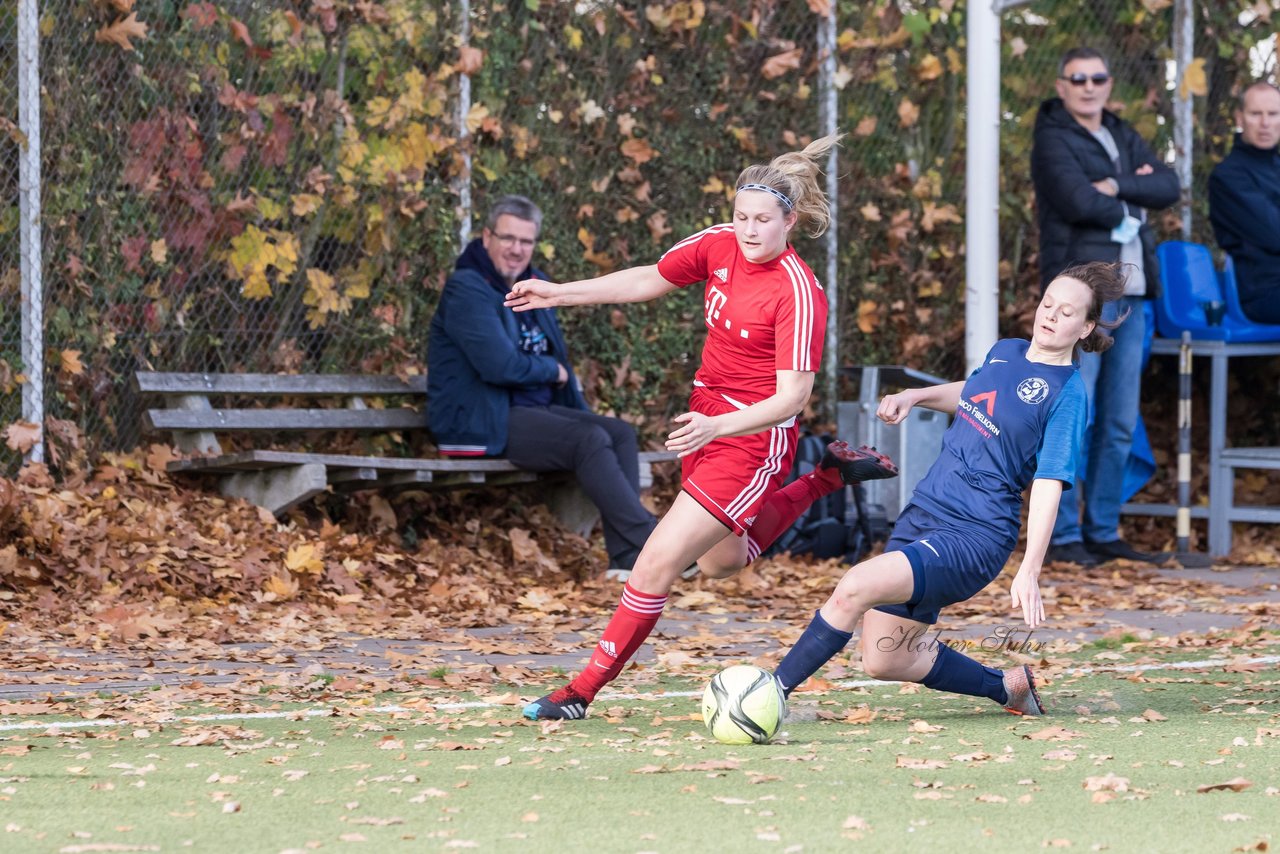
pixel 559 705
pixel 855 466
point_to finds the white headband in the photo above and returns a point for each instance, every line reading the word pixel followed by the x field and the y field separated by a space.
pixel 763 188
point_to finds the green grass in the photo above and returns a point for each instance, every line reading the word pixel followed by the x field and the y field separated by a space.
pixel 1114 643
pixel 882 767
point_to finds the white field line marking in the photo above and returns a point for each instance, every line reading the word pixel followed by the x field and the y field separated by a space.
pixel 317 713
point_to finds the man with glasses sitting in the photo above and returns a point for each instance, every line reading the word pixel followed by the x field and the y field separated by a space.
pixel 501 383
pixel 1094 176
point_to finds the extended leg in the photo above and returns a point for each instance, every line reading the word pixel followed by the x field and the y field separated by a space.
pixel 883 579
pixel 685 533
pixel 898 649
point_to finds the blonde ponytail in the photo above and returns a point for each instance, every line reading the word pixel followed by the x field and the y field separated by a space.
pixel 794 178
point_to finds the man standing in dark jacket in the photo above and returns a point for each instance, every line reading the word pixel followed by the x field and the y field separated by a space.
pixel 1244 203
pixel 501 383
pixel 1094 175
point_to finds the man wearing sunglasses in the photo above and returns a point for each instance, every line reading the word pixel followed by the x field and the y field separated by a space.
pixel 501 383
pixel 1244 202
pixel 1094 177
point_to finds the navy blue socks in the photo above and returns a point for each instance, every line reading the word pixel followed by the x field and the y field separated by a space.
pixel 952 671
pixel 815 648
pixel 960 674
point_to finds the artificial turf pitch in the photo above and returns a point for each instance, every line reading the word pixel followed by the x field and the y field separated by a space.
pixel 1161 761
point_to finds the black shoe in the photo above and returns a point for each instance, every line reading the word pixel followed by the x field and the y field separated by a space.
pixel 1071 553
pixel 1120 550
pixel 560 705
pixel 855 466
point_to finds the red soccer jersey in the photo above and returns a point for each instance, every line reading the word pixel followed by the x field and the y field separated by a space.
pixel 761 318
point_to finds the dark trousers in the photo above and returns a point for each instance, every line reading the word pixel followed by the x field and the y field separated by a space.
pixel 602 453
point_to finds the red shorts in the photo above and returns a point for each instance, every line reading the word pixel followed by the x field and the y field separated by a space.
pixel 733 477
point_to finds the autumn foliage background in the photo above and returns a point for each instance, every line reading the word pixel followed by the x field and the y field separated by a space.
pixel 275 186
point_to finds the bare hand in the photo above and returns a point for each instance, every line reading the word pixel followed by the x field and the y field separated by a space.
pixel 698 430
pixel 562 374
pixel 1025 593
pixel 894 408
pixel 1144 169
pixel 1106 186
pixel 531 294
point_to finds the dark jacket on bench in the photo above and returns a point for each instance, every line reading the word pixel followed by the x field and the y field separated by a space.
pixel 474 360
pixel 1244 207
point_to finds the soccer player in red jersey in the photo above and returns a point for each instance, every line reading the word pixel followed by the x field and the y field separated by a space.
pixel 765 315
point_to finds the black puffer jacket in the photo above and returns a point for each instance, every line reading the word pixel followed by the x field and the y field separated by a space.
pixel 1244 207
pixel 1075 219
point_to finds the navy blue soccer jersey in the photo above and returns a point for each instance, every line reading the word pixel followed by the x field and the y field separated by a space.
pixel 1017 420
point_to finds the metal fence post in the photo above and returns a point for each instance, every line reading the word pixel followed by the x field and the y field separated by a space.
pixel 1184 17
pixel 828 119
pixel 464 136
pixel 982 183
pixel 29 221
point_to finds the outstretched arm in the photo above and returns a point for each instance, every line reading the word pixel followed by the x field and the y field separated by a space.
pixel 787 401
pixel 893 408
pixel 1042 511
pixel 636 284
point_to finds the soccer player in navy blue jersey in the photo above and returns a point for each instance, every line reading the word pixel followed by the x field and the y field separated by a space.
pixel 1019 421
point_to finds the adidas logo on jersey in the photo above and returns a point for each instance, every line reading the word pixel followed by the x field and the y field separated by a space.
pixel 722 274
pixel 609 648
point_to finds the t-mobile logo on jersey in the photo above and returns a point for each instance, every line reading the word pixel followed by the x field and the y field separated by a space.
pixel 716 300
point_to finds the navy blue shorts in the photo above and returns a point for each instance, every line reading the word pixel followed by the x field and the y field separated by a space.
pixel 949 563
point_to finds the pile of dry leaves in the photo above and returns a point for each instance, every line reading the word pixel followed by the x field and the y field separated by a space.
pixel 121 551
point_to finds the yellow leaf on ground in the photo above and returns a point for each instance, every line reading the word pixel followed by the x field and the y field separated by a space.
pixel 304 557
pixel 281 588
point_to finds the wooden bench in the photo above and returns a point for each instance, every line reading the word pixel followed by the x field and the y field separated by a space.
pixel 280 480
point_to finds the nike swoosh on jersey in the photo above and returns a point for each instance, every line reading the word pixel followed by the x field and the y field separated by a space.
pixel 993 361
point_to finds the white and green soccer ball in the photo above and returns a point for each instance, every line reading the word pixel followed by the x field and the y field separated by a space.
pixel 743 704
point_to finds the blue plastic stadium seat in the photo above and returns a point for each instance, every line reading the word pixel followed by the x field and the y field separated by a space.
pixel 1188 280
pixel 1271 332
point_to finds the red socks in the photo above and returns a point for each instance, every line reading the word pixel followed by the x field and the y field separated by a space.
pixel 635 618
pixel 638 612
pixel 785 506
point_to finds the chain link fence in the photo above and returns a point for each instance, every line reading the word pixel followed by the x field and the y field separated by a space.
pixel 282 186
